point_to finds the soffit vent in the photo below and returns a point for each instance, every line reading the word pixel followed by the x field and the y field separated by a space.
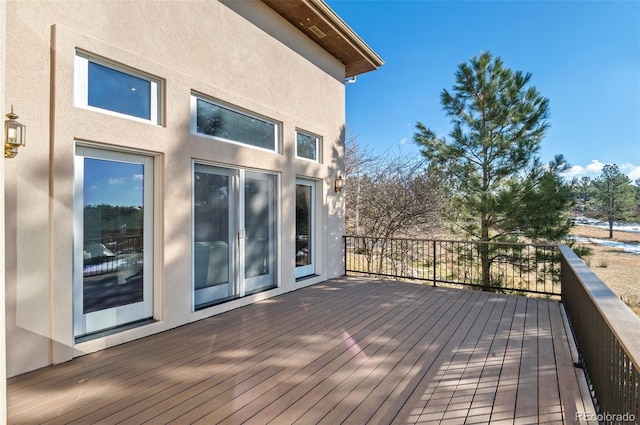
pixel 317 31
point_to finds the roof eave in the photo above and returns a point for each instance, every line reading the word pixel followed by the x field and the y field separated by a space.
pixel 336 37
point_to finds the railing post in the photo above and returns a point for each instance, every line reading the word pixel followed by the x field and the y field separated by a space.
pixel 434 263
pixel 344 240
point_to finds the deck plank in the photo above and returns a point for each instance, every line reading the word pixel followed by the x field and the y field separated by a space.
pixel 146 365
pixel 408 369
pixel 349 351
pixel 359 346
pixel 551 411
pixel 449 391
pixel 527 391
pixel 262 340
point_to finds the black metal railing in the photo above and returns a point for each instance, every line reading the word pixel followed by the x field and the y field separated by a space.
pixel 607 334
pixel 111 254
pixel 500 267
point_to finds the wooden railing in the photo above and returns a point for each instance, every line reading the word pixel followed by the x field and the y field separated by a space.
pixel 495 266
pixel 607 334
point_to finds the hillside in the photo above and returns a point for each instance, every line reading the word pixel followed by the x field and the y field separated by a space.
pixel 620 270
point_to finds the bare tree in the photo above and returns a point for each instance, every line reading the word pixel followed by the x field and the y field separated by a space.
pixel 356 160
pixel 393 196
pixel 390 196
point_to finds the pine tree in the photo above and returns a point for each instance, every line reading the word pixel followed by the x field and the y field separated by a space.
pixel 500 188
pixel 614 194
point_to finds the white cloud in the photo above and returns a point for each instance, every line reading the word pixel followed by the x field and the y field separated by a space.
pixel 113 180
pixel 633 171
pixel 595 166
pixel 594 169
pixel 404 141
pixel 574 171
pixel 138 177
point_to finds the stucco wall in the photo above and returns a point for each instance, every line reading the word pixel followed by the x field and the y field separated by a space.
pixel 242 53
pixel 3 345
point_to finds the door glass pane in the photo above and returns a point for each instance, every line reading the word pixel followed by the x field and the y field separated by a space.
pixel 303 225
pixel 117 91
pixel 113 210
pixel 259 221
pixel 212 236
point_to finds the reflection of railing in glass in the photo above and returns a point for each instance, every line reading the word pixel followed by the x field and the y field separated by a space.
pixel 303 257
pixel 112 254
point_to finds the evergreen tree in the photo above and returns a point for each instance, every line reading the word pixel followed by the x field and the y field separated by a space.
pixel 614 194
pixel 501 190
pixel 583 193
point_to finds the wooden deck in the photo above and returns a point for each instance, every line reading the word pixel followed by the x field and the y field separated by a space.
pixel 346 351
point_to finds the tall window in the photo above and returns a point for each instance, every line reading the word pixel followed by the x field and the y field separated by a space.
pixel 116 90
pixel 222 122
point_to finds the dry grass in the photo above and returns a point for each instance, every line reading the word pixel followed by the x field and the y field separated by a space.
pixel 620 270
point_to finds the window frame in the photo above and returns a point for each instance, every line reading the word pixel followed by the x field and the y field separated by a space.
pixel 309 270
pixel 318 147
pixel 149 306
pixel 194 124
pixel 81 88
pixel 237 241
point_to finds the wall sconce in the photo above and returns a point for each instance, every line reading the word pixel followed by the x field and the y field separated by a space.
pixel 14 135
pixel 339 184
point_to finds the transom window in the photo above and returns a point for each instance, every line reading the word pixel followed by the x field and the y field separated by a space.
pixel 116 90
pixel 222 122
pixel 307 146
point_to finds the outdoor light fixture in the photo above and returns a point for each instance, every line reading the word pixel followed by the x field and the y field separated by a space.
pixel 14 135
pixel 339 184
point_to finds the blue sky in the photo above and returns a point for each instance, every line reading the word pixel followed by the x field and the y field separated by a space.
pixel 113 183
pixel 584 57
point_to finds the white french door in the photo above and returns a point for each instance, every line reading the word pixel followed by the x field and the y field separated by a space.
pixel 234 224
pixel 113 240
pixel 305 228
pixel 258 227
pixel 214 223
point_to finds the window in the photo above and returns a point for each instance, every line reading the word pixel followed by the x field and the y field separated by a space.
pixel 116 90
pixel 224 123
pixel 307 146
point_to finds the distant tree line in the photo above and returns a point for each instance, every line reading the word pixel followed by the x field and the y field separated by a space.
pixel 111 221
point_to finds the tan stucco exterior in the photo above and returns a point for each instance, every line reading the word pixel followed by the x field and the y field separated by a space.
pixel 3 340
pixel 241 53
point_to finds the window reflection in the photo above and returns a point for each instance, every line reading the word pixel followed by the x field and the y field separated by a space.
pixel 214 120
pixel 307 146
pixel 113 234
pixel 303 225
pixel 120 92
